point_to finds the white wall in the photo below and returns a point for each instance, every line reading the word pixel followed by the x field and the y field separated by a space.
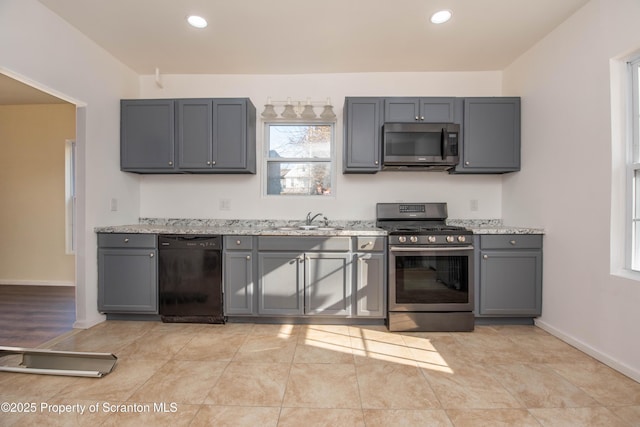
pixel 39 48
pixel 191 196
pixel 566 178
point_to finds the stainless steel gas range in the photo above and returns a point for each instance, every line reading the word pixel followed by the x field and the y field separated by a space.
pixel 430 265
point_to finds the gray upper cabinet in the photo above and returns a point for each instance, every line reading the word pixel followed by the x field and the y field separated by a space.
pixel 216 135
pixel 490 135
pixel 427 110
pixel 147 136
pixel 127 273
pixel 211 135
pixel 362 135
pixel 510 268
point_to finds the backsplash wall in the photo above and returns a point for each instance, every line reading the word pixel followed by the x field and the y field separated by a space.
pixel 355 196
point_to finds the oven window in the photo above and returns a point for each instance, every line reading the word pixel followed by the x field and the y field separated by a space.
pixel 413 144
pixel 432 279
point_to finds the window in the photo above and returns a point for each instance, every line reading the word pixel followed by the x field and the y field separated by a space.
pixel 70 196
pixel 299 159
pixel 634 163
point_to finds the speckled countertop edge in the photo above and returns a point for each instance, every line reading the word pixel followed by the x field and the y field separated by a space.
pixel 272 227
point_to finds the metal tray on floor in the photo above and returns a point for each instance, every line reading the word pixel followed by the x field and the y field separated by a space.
pixel 52 362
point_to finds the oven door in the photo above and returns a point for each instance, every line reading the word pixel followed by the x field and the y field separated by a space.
pixel 431 278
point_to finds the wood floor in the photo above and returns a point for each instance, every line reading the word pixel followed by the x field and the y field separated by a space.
pixel 33 315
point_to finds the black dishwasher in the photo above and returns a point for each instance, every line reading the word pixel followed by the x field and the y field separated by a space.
pixel 190 278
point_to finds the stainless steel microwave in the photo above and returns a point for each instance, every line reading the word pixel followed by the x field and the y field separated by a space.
pixel 420 146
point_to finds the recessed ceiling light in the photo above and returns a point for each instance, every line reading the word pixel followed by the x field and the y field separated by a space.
pixel 441 16
pixel 197 21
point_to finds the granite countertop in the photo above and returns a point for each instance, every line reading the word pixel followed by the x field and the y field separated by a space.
pixel 244 227
pixel 290 228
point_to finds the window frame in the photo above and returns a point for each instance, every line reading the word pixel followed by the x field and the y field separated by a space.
pixel 633 166
pixel 331 160
pixel 70 196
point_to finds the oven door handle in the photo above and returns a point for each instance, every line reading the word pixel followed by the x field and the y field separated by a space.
pixel 431 248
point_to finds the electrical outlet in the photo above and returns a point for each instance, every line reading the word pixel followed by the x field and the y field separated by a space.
pixel 225 204
pixel 473 205
pixel 114 204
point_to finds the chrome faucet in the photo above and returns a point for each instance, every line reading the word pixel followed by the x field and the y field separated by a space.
pixel 311 218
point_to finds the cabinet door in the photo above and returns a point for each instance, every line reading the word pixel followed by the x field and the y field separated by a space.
pixel 437 110
pixel 370 285
pixel 147 135
pixel 238 283
pixel 511 283
pixel 229 134
pixel 280 284
pixel 362 135
pixel 402 109
pixel 127 281
pixel 327 283
pixel 490 135
pixel 195 118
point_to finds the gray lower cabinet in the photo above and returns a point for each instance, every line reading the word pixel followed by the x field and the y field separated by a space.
pixel 370 275
pixel 127 273
pixel 490 135
pixel 297 283
pixel 363 117
pixel 510 283
pixel 239 275
pixel 280 283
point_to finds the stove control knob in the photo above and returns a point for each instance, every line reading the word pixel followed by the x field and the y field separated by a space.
pixel 462 239
pixel 413 239
pixel 450 239
pixel 431 239
pixel 402 239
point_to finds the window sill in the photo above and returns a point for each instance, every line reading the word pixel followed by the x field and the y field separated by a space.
pixel 627 274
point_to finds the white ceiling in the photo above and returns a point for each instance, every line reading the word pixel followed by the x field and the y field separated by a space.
pixel 303 36
pixel 314 36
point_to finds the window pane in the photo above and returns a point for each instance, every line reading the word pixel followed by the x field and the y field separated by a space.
pixel 304 179
pixel 300 141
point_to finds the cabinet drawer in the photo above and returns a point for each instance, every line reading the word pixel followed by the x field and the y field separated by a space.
pixel 304 244
pixel 129 240
pixel 370 243
pixel 232 243
pixel 511 241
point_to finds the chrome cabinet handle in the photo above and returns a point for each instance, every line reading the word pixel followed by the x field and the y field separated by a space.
pixel 248 257
pixel 126 240
pixel 213 163
pixel 513 242
pixel 485 257
pixel 422 118
pixel 417 118
pixel 151 255
pixel 238 242
pixel 208 162
pixel 170 163
pixel 376 162
pixel 467 163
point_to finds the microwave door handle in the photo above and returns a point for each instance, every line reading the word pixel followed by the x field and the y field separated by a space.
pixel 444 140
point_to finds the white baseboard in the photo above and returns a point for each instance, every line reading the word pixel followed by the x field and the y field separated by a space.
pixel 35 282
pixel 87 323
pixel 627 370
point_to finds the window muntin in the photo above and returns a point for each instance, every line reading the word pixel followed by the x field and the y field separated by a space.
pixel 299 159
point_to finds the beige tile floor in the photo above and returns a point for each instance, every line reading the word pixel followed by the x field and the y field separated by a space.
pixel 313 375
